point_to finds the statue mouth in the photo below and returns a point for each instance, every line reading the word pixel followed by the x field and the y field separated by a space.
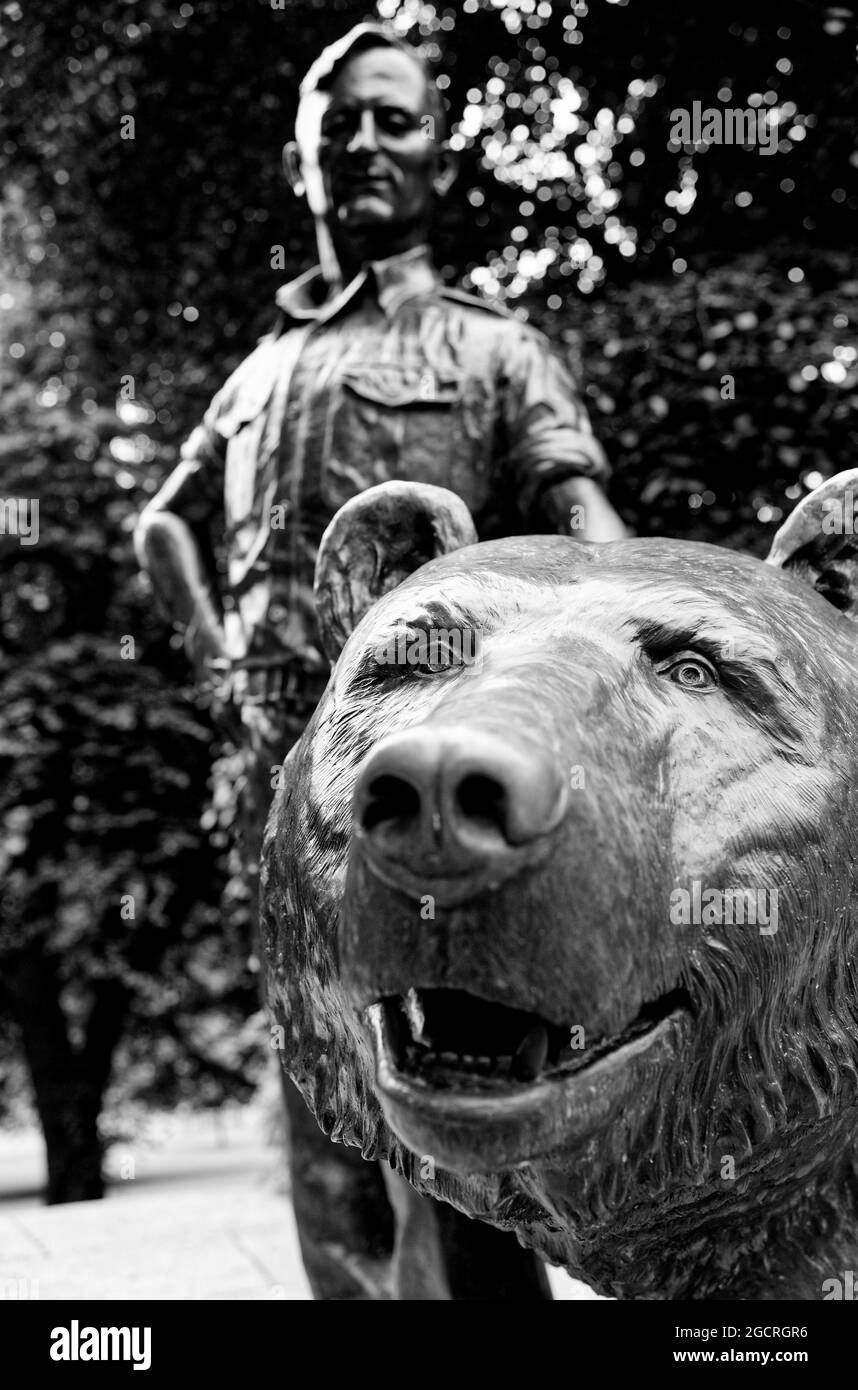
pixel 358 183
pixel 478 1085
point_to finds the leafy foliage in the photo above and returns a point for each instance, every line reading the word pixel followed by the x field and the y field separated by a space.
pixel 706 294
pixel 117 930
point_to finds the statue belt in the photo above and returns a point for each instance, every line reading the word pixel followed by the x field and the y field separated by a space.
pixel 275 681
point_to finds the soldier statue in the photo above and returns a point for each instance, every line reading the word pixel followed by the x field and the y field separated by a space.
pixel 374 370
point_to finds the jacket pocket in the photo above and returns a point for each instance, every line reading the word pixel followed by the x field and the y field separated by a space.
pixel 399 387
pixel 392 420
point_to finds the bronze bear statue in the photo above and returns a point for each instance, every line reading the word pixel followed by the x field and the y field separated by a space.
pixel 559 895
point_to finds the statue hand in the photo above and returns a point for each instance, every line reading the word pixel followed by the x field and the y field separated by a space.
pixel 205 643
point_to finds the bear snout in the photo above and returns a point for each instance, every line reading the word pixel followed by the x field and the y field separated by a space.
pixel 453 805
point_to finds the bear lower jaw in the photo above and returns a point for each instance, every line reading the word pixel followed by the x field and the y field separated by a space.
pixel 470 1122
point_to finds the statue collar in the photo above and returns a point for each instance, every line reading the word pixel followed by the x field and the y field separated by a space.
pixel 393 281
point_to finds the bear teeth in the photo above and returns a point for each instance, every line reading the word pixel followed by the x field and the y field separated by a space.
pixel 420 1058
pixel 531 1054
pixel 413 1010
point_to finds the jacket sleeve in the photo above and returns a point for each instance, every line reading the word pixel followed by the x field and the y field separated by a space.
pixel 194 489
pixel 549 435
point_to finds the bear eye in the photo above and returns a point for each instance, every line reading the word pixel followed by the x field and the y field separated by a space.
pixel 437 655
pixel 422 652
pixel 690 671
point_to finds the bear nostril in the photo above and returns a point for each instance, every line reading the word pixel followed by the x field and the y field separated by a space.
pixel 390 800
pixel 482 801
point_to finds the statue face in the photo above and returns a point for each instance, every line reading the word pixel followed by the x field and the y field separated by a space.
pixel 377 152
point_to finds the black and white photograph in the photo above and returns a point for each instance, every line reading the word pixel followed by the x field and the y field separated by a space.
pixel 428 671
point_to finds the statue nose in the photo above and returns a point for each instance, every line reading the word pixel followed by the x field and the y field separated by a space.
pixel 440 802
pixel 364 137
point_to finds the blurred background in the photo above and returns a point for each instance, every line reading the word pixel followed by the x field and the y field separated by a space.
pixel 707 297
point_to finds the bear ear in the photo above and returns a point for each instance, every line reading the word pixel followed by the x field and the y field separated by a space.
pixel 374 542
pixel 819 541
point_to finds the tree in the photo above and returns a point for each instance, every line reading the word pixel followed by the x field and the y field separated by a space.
pixel 706 295
pixel 113 892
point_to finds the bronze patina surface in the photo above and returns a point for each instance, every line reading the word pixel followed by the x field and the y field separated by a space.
pixel 567 933
pixel 374 371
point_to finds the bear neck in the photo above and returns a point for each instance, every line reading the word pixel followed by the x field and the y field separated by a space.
pixel 794 1227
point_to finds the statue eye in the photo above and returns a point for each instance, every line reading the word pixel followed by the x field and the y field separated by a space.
pixel 336 124
pixel 431 653
pixel 690 671
pixel 395 121
pixel 436 661
pixel 422 652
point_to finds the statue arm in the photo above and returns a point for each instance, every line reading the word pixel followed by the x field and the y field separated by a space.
pixel 579 507
pixel 173 548
pixel 558 466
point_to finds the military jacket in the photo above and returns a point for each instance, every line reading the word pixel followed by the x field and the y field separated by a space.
pixel 396 376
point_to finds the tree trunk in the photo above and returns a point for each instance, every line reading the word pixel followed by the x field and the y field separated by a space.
pixel 67 1090
pixel 74 1151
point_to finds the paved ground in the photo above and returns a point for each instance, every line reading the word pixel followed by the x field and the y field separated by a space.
pixel 196 1212
pixel 192 1214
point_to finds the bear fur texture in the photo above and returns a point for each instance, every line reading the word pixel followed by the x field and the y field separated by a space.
pixel 560 906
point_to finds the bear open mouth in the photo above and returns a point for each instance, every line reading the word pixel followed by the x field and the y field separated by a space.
pixel 448 1038
pixel 483 1087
